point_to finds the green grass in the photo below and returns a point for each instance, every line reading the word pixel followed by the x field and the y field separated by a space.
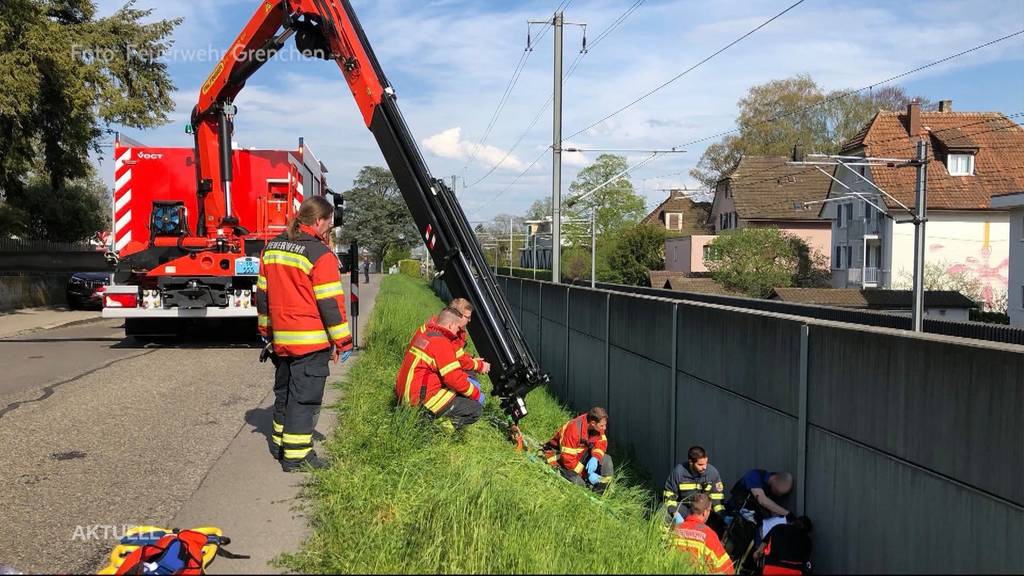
pixel 404 496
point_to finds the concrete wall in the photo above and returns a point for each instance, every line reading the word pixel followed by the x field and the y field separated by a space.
pixel 907 448
pixel 29 290
pixel 38 278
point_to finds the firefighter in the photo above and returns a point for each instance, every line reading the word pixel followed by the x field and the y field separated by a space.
pixel 431 375
pixel 697 476
pixel 694 536
pixel 301 307
pixel 468 363
pixel 578 450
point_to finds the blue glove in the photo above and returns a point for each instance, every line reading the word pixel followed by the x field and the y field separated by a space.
pixel 474 381
pixel 677 519
pixel 345 356
pixel 592 474
pixel 481 400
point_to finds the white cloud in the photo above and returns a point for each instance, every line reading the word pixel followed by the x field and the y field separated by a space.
pixel 449 144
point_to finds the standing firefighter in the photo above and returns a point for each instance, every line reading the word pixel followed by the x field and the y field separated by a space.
pixel 693 536
pixel 301 306
pixel 579 450
pixel 431 375
pixel 697 476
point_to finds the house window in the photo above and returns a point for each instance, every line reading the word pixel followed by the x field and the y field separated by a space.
pixel 839 215
pixel 673 220
pixel 849 213
pixel 839 257
pixel 849 256
pixel 707 252
pixel 960 164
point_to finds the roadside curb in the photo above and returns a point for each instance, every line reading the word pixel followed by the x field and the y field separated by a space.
pixel 67 324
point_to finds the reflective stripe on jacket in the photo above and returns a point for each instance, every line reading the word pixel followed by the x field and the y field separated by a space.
pixel 697 539
pixel 300 300
pixel 431 375
pixel 683 484
pixel 574 445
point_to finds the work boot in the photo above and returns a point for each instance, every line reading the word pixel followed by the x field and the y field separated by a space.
pixel 275 450
pixel 310 462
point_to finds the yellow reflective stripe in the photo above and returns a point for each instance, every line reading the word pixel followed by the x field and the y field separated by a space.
pixel 263 320
pixel 449 368
pixel 578 468
pixel 408 381
pixel 718 508
pixel 339 331
pixel 460 353
pixel 720 561
pixel 597 453
pixel 439 400
pixel 427 359
pixel 261 282
pixel 278 428
pixel 689 486
pixel 717 496
pixel 300 337
pixel 567 450
pixel 298 438
pixel 296 454
pixel 329 290
pixel 287 259
pixel 668 494
pixel 276 439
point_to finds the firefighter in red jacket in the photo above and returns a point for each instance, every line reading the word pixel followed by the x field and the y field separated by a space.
pixel 431 375
pixel 578 450
pixel 694 536
pixel 301 307
pixel 468 363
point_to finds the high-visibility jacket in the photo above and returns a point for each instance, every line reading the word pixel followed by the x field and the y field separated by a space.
pixel 300 301
pixel 467 362
pixel 430 375
pixel 575 444
pixel 683 484
pixel 696 538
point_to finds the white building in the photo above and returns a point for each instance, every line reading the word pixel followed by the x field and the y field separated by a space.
pixel 972 158
pixel 1015 202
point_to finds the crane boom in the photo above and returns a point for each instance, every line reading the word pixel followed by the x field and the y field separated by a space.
pixel 330 29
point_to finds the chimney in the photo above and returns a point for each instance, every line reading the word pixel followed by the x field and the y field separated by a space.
pixel 914 119
pixel 945 106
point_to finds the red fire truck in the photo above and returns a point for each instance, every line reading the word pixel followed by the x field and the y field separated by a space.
pixel 174 259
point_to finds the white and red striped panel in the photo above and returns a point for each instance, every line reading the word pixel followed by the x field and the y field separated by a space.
pixel 122 199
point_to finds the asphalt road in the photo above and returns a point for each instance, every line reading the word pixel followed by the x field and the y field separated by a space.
pixel 100 433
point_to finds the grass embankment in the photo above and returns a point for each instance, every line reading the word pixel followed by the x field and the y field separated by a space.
pixel 404 496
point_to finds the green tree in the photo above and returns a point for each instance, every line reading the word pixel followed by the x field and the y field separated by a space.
pixel 539 210
pixel 637 251
pixel 753 260
pixel 376 215
pixel 77 210
pixel 618 205
pixel 775 116
pixel 943 275
pixel 65 78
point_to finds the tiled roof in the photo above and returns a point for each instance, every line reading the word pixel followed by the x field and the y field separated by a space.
pixel 695 214
pixel 872 299
pixel 766 188
pixel 998 163
pixel 666 279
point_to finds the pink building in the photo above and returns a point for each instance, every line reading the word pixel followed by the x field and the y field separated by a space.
pixel 763 191
pixel 686 254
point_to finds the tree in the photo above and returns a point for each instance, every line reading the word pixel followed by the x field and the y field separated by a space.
pixel 539 210
pixel 376 215
pixel 944 276
pixel 618 205
pixel 77 210
pixel 65 78
pixel 637 251
pixel 777 115
pixel 753 260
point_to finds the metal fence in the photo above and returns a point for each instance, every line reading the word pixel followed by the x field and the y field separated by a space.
pixel 17 245
pixel 899 442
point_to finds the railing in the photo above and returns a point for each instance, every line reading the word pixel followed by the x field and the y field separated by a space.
pixel 871 276
pixel 19 245
pixel 853 275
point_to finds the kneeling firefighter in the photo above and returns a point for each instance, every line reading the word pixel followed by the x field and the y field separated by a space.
pixel 578 450
pixel 301 307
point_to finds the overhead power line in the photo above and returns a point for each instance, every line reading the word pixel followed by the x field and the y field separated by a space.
pixel 685 72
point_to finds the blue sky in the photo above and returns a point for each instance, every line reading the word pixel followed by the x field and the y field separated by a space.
pixel 450 60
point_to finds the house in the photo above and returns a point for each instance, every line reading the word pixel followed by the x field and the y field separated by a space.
pixel 974 156
pixel 668 280
pixel 538 244
pixel 1015 293
pixel 686 254
pixel 680 215
pixel 764 191
pixel 938 304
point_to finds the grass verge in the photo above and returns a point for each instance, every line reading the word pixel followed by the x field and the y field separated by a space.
pixel 404 496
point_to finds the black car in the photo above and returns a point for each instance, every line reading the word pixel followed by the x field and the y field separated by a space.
pixel 85 290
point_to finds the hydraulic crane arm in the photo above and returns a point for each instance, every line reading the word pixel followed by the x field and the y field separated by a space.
pixel 330 29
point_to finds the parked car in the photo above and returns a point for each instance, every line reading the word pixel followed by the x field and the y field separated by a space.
pixel 85 290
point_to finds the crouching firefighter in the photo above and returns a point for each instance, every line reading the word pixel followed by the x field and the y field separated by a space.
pixel 301 307
pixel 431 375
pixel 578 450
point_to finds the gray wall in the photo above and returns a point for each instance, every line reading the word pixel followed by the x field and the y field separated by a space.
pixel 39 277
pixel 908 449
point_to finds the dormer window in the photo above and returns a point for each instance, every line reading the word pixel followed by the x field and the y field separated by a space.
pixel 960 164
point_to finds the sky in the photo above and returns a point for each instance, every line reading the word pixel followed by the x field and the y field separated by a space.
pixel 450 62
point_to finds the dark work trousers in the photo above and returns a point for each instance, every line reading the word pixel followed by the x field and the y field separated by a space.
pixel 462 411
pixel 298 392
pixel 605 469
